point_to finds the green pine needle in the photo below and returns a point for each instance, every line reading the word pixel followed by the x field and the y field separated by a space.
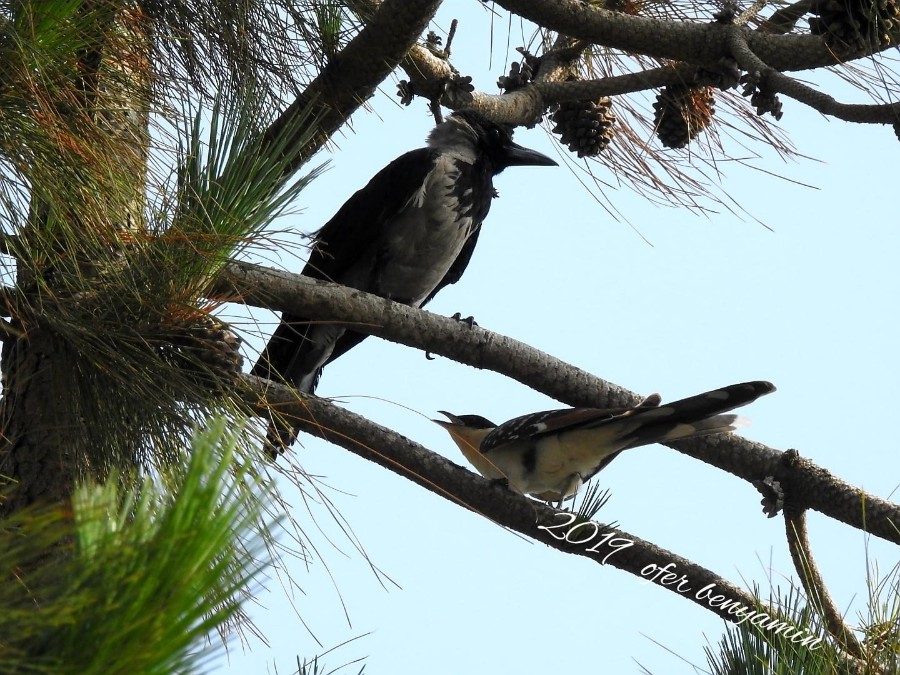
pixel 138 578
pixel 748 650
pixel 594 499
pixel 231 184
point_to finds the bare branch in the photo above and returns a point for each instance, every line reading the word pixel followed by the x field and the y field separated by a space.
pixel 701 44
pixel 814 584
pixel 806 484
pixel 783 20
pixel 328 302
pixel 886 113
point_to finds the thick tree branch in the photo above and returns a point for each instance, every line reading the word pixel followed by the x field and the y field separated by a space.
pixel 426 71
pixel 352 76
pixel 700 44
pixel 273 289
pixel 806 484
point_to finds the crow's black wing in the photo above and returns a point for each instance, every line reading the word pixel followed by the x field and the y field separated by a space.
pixel 338 245
pixel 359 223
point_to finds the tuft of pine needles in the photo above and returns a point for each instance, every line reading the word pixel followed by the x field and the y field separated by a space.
pixel 140 356
pixel 777 649
pixel 142 575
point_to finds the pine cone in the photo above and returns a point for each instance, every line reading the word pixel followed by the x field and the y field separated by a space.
pixel 682 112
pixel 585 126
pixel 859 25
pixel 203 344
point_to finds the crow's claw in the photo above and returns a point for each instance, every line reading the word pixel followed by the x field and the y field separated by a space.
pixel 470 320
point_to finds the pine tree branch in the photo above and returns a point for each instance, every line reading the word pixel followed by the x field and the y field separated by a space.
pixel 328 302
pixel 783 20
pixel 691 42
pixel 814 584
pixel 563 531
pixel 352 76
pixel 428 73
pixel 772 80
pixel 806 484
pixel 653 78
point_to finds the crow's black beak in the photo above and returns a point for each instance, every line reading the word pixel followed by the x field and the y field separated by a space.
pixel 516 155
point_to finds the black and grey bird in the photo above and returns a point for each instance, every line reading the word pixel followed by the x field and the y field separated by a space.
pixel 551 454
pixel 404 236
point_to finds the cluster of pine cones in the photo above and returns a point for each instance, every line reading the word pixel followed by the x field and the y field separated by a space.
pixel 859 25
pixel 586 127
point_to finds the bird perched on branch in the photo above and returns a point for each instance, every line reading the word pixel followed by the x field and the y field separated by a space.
pixel 404 236
pixel 551 454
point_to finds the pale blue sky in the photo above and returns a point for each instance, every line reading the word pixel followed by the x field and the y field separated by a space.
pixel 809 305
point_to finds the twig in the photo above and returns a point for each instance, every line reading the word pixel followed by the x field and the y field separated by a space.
pixel 450 35
pixel 813 584
pixel 754 9
pixel 783 20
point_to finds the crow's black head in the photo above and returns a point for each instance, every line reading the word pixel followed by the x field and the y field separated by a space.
pixel 471 136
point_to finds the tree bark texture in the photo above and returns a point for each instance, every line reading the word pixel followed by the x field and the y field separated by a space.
pixel 101 131
pixel 34 414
